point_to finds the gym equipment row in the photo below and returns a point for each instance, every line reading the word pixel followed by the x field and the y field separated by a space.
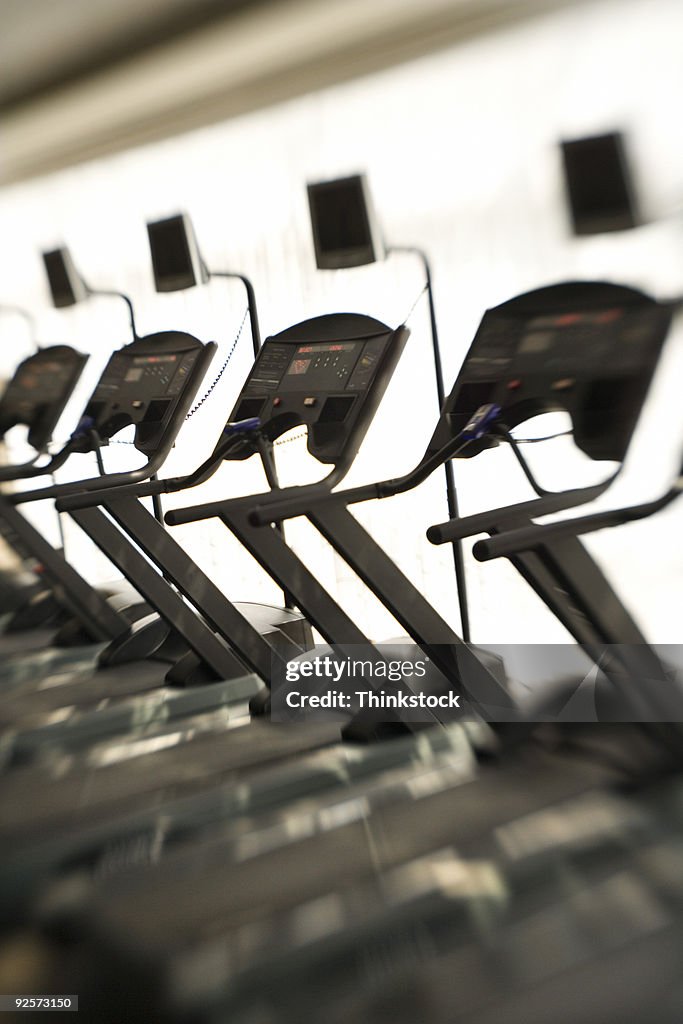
pixel 176 851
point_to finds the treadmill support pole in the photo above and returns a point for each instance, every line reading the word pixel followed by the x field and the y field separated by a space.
pixel 75 593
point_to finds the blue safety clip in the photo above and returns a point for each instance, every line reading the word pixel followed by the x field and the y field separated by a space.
pixel 242 426
pixel 83 427
pixel 480 421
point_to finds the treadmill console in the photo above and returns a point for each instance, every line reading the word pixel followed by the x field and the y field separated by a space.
pixel 588 348
pixel 38 392
pixel 144 384
pixel 328 374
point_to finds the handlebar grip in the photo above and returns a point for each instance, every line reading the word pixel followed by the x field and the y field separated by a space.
pixel 298 498
pixel 514 541
pixel 508 543
pixel 458 529
pixel 180 516
pixel 89 499
pixel 304 498
pixel 497 518
pixel 468 525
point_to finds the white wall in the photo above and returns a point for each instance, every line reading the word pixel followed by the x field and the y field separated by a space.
pixel 460 149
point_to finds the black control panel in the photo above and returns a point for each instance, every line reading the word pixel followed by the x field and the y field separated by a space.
pixel 38 392
pixel 329 374
pixel 143 384
pixel 588 348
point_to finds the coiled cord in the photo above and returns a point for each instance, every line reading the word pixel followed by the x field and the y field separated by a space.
pixel 222 370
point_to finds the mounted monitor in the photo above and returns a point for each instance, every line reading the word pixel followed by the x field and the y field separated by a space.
pixel 66 285
pixel 345 231
pixel 176 262
pixel 599 184
pixel 328 374
pixel 584 347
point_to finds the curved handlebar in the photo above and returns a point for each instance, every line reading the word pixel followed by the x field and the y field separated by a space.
pixel 480 522
pixel 148 488
pixel 298 501
pixel 513 541
pixel 29 471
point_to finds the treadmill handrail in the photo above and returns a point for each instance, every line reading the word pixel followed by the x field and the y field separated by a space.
pixel 8 472
pixel 76 486
pixel 479 522
pixel 149 488
pixel 195 513
pixel 200 475
pixel 28 470
pixel 290 502
pixel 514 541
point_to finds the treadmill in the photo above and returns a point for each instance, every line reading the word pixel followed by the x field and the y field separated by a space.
pixel 150 384
pixel 34 398
pixel 545 350
pixel 604 620
pixel 351 359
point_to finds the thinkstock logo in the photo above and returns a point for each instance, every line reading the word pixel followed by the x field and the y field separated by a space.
pixel 336 684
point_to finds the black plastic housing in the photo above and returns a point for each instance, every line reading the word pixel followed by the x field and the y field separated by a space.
pixel 176 263
pixel 587 348
pixel 142 384
pixel 66 286
pixel 599 184
pixel 39 391
pixel 345 232
pixel 328 374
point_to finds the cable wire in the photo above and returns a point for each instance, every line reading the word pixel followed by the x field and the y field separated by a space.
pixel 537 440
pixel 222 370
pixel 288 440
pixel 502 430
pixel 412 308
